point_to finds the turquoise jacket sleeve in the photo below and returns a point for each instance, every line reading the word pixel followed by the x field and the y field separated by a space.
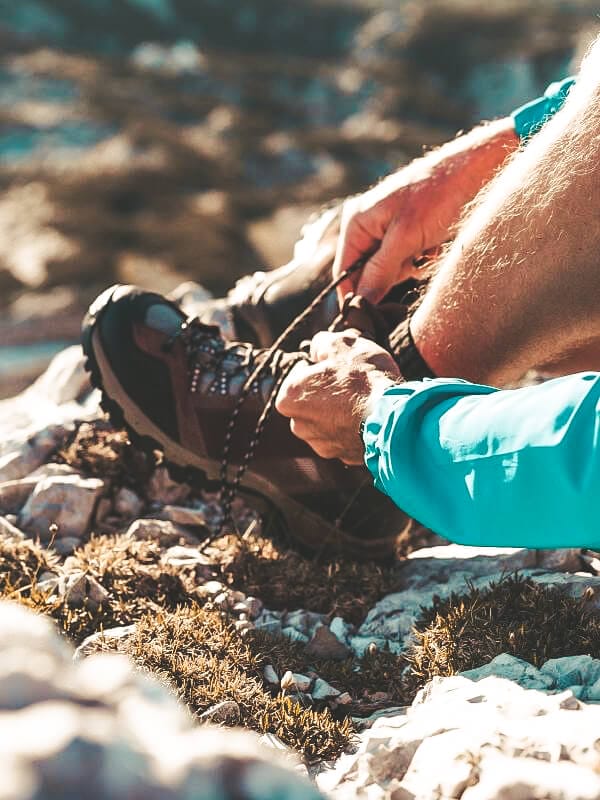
pixel 482 466
pixel 529 118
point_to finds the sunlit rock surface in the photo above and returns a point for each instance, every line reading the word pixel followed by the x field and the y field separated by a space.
pixel 95 728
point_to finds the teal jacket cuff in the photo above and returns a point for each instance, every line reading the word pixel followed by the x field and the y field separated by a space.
pixel 528 119
pixel 482 466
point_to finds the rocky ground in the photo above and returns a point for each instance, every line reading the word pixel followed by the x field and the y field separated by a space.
pixel 361 676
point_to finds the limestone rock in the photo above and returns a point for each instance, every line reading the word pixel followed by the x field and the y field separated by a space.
pixel 127 503
pixel 295 682
pixel 34 452
pixel 340 629
pixel 96 642
pixel 323 690
pixel 9 530
pixel 270 676
pixel 295 635
pixel 514 669
pixel 477 740
pixel 325 644
pixel 97 728
pixel 571 671
pixel 182 557
pixel 84 590
pixel 162 531
pixel 67 502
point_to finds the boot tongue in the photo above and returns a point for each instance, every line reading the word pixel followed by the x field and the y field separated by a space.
pixel 374 322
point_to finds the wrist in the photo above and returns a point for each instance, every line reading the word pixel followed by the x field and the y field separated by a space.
pixel 377 386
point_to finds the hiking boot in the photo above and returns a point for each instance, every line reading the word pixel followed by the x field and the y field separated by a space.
pixel 260 306
pixel 180 387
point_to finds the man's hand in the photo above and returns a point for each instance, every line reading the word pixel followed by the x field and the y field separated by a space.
pixel 327 400
pixel 415 209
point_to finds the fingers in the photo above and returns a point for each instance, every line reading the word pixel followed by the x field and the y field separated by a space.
pixel 385 268
pixel 295 389
pixel 354 241
pixel 326 344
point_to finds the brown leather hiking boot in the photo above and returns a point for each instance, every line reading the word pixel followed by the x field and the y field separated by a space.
pixel 206 403
pixel 260 306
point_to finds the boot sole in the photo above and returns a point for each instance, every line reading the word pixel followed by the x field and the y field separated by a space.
pixel 304 526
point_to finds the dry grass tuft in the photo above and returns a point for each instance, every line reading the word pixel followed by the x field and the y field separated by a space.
pixel 98 450
pixel 515 616
pixel 285 580
pixel 201 655
pixel 22 561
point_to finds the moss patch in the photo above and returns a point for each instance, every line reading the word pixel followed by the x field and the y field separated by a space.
pixel 285 580
pixel 22 561
pixel 515 616
pixel 97 449
pixel 201 655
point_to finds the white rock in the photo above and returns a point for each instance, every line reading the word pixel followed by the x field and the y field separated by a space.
pixel 127 503
pixel 569 671
pixel 97 642
pixel 491 739
pixel 340 629
pixel 34 452
pixel 268 625
pixel 294 635
pixel 180 556
pixel 514 669
pixel 65 501
pixel 254 606
pixel 506 777
pixel 103 730
pixel 211 589
pixel 270 676
pixel 162 531
pixel 224 601
pixel 295 682
pixel 323 690
pixel 9 530
pixel 81 589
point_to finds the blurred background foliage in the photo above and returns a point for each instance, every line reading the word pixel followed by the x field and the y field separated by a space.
pixel 154 141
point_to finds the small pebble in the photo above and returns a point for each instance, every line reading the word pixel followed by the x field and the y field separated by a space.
pixel 270 675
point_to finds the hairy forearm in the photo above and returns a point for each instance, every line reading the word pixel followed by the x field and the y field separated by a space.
pixel 447 178
pixel 519 286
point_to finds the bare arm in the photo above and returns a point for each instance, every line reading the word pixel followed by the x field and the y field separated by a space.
pixel 520 285
pixel 415 209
